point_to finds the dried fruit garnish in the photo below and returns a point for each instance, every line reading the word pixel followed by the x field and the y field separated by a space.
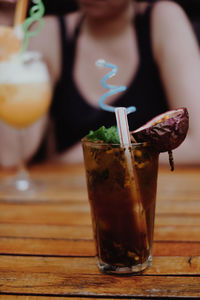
pixel 165 132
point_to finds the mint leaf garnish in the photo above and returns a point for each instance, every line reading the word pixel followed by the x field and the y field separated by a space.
pixel 107 135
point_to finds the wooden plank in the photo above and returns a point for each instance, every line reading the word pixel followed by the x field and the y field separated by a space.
pixel 177 233
pixel 79 213
pixel 101 286
pixel 162 265
pixel 177 220
pixel 69 247
pixel 72 190
pixel 161 233
pixel 79 277
pixel 46 231
pixel 54 194
pixel 176 248
pixel 52 247
pixel 64 191
pixel 181 208
pixel 60 225
pixel 161 220
pixel 74 214
pixel 180 186
pixel 19 297
pixel 61 184
pixel 61 181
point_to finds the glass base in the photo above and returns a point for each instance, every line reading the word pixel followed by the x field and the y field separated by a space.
pixel 125 270
pixel 20 187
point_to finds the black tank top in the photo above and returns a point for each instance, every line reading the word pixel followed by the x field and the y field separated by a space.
pixel 74 117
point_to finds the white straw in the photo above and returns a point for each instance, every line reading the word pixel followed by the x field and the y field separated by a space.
pixel 122 124
pixel 125 141
pixel 124 135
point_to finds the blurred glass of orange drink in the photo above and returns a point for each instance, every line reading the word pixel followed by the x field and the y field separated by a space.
pixel 25 89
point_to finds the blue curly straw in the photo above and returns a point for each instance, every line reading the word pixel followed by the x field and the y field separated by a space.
pixel 36 13
pixel 113 89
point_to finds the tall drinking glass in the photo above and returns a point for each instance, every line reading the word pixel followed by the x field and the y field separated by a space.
pixel 25 95
pixel 122 204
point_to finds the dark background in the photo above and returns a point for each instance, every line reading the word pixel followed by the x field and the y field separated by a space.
pixel 191 7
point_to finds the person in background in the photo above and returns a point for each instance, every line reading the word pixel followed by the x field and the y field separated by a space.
pixel 9 137
pixel 158 57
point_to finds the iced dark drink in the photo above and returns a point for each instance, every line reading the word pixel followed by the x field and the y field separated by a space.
pixel 122 200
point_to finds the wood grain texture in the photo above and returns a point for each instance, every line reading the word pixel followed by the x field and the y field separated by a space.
pixel 56 247
pixel 47 249
pixel 183 265
pixel 78 276
pixel 19 297
pixel 98 285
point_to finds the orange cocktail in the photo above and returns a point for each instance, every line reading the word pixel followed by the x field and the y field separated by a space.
pixel 25 90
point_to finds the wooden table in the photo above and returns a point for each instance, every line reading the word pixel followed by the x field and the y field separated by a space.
pixel 47 250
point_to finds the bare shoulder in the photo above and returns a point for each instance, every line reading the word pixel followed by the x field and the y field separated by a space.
pixel 50 29
pixel 170 27
pixel 169 12
pixel 168 17
pixel 48 43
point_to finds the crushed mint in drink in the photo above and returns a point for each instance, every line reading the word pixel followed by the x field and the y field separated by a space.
pixel 103 134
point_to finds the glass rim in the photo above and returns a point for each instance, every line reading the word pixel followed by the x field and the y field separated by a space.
pixel 117 145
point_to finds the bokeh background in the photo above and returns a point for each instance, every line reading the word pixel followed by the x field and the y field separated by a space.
pixel 191 7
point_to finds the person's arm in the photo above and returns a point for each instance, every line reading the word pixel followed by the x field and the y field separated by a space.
pixel 19 145
pixel 48 43
pixel 177 54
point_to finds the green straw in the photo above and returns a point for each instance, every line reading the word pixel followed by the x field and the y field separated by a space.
pixel 36 13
